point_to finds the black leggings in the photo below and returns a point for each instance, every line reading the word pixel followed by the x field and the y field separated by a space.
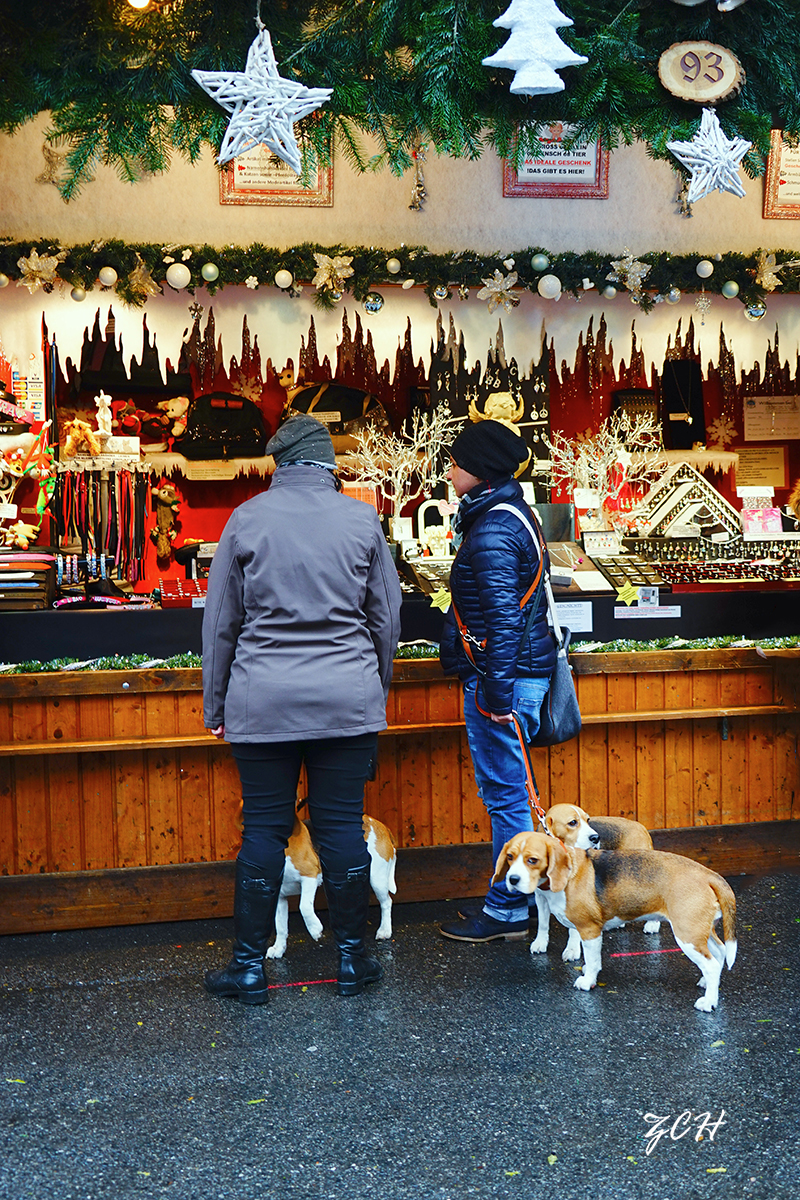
pixel 337 770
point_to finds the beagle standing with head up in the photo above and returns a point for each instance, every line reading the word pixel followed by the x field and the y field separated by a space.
pixel 574 827
pixel 602 889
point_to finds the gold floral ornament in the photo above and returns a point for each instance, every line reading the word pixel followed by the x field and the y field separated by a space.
pixel 141 281
pixel 40 272
pixel 332 272
pixel 630 272
pixel 497 291
pixel 767 272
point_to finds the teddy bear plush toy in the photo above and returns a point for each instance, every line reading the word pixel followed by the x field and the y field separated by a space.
pixel 81 439
pixel 167 504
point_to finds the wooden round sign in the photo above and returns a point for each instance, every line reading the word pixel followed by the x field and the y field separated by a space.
pixel 700 71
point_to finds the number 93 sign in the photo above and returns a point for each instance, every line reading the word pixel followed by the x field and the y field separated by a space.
pixel 700 71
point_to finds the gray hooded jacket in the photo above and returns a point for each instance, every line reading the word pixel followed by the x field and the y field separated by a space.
pixel 302 615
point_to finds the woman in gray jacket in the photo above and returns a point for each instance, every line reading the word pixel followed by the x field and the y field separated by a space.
pixel 301 624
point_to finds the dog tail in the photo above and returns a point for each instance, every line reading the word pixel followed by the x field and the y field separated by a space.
pixel 727 903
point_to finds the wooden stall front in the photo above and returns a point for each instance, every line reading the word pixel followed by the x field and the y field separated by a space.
pixel 117 807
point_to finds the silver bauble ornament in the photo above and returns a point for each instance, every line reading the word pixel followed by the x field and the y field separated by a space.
pixel 730 289
pixel 540 262
pixel 373 302
pixel 705 268
pixel 756 310
pixel 673 296
pixel 210 272
pixel 78 293
pixel 3 280
pixel 107 276
pixel 441 292
pixel 284 279
pixel 609 292
pixel 393 266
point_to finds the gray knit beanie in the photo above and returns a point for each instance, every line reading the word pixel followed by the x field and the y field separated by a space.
pixel 302 439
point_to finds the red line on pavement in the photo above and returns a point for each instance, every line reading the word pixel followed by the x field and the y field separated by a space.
pixel 636 953
pixel 304 983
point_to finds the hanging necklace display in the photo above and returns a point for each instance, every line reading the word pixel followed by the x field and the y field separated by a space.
pixel 685 412
pixel 683 421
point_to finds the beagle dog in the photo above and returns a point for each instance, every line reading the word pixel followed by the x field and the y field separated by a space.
pixel 596 890
pixel 574 827
pixel 302 875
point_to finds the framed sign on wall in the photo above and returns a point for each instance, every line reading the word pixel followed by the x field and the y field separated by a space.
pixel 782 182
pixel 259 177
pixel 578 170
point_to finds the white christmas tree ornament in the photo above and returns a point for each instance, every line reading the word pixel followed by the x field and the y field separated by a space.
pixel 534 50
pixel 711 158
pixel 264 105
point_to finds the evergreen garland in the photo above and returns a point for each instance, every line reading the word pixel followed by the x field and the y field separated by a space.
pixel 236 264
pixel 416 650
pixel 118 87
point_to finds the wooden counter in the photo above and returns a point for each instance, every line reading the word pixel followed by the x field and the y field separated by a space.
pixel 117 807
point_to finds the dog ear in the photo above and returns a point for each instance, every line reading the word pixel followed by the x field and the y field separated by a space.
pixel 501 867
pixel 558 865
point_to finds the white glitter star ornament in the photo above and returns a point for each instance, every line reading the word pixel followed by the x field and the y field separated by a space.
pixel 711 158
pixel 264 106
pixel 498 291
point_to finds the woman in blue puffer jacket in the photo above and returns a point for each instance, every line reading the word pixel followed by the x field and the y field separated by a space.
pixel 503 669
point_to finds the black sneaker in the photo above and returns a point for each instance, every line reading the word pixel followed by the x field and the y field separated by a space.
pixel 483 928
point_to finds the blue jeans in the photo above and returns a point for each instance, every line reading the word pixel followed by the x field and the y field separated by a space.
pixel 499 765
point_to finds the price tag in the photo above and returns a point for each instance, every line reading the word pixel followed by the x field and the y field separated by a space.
pixel 648 597
pixel 198 601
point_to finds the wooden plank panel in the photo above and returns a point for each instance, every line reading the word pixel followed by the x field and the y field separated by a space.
pixel 445 701
pixel 62 781
pixel 563 775
pixel 415 782
pixel 127 716
pixel 475 821
pixel 593 785
pixel 383 798
pixel 733 750
pixel 33 833
pixel 761 769
pixel 650 750
pixel 226 795
pixel 130 807
pixel 94 713
pixel 98 797
pixel 194 806
pixel 6 713
pixel 706 750
pixel 678 753
pixel 8 819
pixel 63 790
pixel 412 704
pixel 190 712
pixel 161 773
pixel 787 771
pixel 28 721
pixel 446 814
pixel 160 715
pixel 621 748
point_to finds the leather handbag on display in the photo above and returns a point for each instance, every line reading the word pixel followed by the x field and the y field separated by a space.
pixel 223 425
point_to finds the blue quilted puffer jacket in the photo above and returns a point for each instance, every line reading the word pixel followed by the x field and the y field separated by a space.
pixel 495 565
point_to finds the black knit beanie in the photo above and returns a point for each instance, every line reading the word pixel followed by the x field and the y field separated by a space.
pixel 302 439
pixel 489 449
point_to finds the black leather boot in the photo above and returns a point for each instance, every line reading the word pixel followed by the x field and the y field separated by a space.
pixel 348 902
pixel 254 902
